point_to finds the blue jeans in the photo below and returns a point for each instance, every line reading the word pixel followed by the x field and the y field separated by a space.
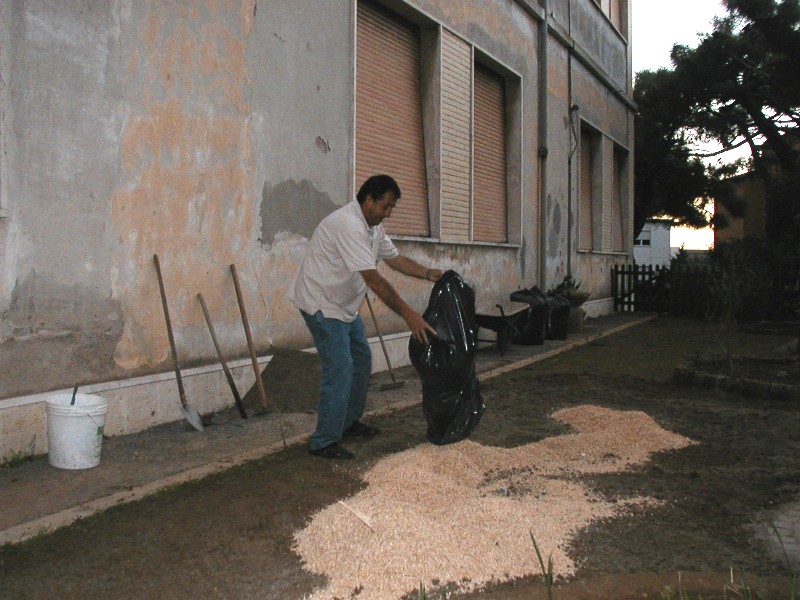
pixel 346 365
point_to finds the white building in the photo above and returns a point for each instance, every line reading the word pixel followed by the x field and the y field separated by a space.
pixel 652 247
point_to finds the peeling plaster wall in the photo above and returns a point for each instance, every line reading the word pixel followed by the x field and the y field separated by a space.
pixel 559 202
pixel 301 102
pixel 571 82
pixel 219 132
pixel 59 320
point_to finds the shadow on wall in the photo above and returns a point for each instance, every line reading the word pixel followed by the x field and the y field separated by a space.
pixel 294 207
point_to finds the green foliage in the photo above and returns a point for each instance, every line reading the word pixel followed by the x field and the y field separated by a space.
pixel 547 574
pixel 570 289
pixel 739 87
pixel 668 180
pixel 16 459
pixel 754 280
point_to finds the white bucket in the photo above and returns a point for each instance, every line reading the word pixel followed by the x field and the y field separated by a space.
pixel 75 433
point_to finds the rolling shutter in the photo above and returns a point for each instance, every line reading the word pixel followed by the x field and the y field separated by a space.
pixel 389 136
pixel 616 206
pixel 585 203
pixel 490 220
pixel 456 195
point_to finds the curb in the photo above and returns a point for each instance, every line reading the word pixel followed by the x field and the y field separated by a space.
pixel 686 373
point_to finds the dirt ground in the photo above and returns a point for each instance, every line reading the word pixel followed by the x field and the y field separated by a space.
pixel 230 535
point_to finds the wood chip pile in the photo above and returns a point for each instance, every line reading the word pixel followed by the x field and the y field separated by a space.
pixel 463 513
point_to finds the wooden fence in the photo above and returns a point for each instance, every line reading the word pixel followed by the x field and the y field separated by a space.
pixel 683 291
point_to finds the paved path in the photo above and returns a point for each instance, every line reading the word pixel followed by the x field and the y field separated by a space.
pixel 35 497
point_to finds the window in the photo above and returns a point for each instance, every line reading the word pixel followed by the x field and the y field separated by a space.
pixel 490 220
pixel 618 193
pixel 616 11
pixel 479 105
pixel 456 133
pixel 389 134
pixel 445 120
pixel 590 185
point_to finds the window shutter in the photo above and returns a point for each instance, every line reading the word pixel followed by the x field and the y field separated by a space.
pixel 456 137
pixel 585 203
pixel 616 206
pixel 490 221
pixel 389 138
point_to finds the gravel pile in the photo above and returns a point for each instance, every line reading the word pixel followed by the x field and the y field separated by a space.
pixel 463 513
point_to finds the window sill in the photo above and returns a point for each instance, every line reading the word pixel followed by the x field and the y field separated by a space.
pixel 408 238
pixel 606 253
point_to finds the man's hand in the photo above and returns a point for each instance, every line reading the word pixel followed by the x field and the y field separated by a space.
pixel 433 274
pixel 384 290
pixel 420 329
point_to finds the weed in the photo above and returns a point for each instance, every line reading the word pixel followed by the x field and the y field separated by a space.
pixel 547 574
pixel 16 459
pixel 421 595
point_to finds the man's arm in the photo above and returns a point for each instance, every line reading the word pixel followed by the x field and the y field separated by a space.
pixel 384 290
pixel 409 267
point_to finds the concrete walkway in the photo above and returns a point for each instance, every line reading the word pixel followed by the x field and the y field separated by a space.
pixel 38 498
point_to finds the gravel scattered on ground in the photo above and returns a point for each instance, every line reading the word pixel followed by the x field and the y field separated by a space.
pixel 463 514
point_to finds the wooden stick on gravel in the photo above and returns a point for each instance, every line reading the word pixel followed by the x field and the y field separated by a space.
pixel 364 518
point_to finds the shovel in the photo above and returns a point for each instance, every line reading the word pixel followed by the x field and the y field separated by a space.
pixel 395 384
pixel 188 412
pixel 228 375
pixel 262 395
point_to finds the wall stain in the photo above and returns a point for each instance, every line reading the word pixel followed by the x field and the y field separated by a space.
pixel 554 229
pixel 186 155
pixel 294 207
pixel 59 336
pixel 323 145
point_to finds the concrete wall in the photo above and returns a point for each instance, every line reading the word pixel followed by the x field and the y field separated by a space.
pixel 588 69
pixel 220 132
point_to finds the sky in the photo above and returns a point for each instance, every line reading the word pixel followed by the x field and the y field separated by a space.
pixel 657 26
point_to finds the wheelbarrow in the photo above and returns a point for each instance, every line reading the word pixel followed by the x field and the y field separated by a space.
pixel 503 323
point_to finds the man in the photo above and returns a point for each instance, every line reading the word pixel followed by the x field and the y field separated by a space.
pixel 341 264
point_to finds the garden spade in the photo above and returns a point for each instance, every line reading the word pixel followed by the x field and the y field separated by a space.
pixel 188 412
pixel 262 395
pixel 395 384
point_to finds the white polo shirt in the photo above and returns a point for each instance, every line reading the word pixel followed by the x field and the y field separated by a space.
pixel 329 279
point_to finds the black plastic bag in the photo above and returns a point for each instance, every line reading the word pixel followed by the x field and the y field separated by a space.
pixel 559 317
pixel 451 395
pixel 532 327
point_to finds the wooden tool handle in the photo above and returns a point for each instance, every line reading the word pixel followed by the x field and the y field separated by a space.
pixel 164 305
pixel 223 362
pixel 262 395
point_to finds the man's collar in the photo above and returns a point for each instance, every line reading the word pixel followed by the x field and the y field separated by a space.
pixel 361 214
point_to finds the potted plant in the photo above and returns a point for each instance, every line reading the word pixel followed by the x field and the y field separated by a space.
pixel 571 291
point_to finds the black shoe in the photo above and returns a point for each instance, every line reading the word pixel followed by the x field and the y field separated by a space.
pixel 359 429
pixel 333 450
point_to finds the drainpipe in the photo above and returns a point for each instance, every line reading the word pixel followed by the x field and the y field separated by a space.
pixel 574 138
pixel 574 134
pixel 544 29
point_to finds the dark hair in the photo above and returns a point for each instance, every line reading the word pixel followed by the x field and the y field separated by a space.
pixel 376 186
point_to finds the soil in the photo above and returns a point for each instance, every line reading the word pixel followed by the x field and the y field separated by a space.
pixel 230 535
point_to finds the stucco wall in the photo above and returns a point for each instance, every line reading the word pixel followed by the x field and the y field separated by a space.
pixel 205 132
pixel 220 132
